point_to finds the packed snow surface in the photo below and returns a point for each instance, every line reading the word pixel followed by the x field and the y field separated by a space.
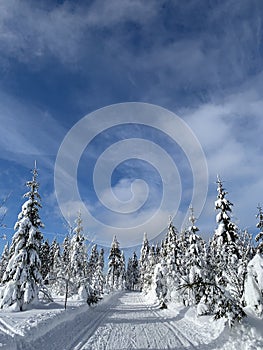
pixel 123 320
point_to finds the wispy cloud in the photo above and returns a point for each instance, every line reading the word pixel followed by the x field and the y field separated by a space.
pixel 27 131
pixel 230 133
pixel 64 31
pixel 169 53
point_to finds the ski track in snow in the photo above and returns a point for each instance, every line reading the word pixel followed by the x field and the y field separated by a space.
pixel 8 329
pixel 124 320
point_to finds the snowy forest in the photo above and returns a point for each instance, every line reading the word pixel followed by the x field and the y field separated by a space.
pixel 221 277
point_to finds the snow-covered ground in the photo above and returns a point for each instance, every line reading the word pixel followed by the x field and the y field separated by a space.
pixel 123 320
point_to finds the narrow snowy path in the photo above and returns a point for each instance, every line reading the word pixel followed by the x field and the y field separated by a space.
pixel 133 324
pixel 124 321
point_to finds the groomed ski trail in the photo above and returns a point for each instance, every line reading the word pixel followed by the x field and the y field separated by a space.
pixel 124 321
pixel 134 324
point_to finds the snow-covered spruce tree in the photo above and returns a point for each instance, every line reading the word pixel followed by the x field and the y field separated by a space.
pixel 95 273
pixel 100 268
pixel 65 283
pixel 132 275
pixel 44 255
pixel 207 283
pixel 129 274
pixel 149 271
pixel 122 271
pixel 194 263
pixel 181 272
pixel 217 299
pixel 99 279
pixel 159 283
pixel 78 261
pixel 259 236
pixel 65 257
pixel 55 265
pixel 224 248
pixel 158 253
pixel 64 275
pixel 167 272
pixel 22 277
pixel 4 261
pixel 169 245
pixel 52 249
pixel 143 260
pixel 115 267
pixel 226 234
pixel 183 246
pixel 92 265
pixel 224 262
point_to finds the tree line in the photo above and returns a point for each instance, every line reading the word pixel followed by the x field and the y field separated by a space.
pixel 222 277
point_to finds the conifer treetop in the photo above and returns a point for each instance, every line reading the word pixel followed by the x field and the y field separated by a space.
pixel 79 228
pixel 260 217
pixel 31 206
pixel 193 228
pixel 259 236
pixel 226 231
pixel 115 244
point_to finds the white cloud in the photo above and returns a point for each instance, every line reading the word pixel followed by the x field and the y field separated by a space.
pixel 28 31
pixel 230 134
pixel 105 13
pixel 3 211
pixel 125 196
pixel 26 130
pixel 65 31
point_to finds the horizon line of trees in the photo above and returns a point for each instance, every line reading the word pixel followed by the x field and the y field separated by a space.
pixel 220 277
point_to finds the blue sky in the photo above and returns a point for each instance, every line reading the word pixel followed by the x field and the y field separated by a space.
pixel 61 60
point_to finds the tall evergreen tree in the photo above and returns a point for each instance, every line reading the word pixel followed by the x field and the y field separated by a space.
pixel 95 271
pixel 44 255
pixel 169 248
pixel 226 235
pixel 132 277
pixel 259 236
pixel 193 262
pixel 149 270
pixel 99 279
pixel 65 283
pixel 22 277
pixel 78 256
pixel 92 265
pixel 4 261
pixel 54 263
pixel 167 273
pixel 115 267
pixel 122 271
pixel 65 257
pixel 224 262
pixel 64 275
pixel 66 249
pixel 226 231
pixel 143 260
